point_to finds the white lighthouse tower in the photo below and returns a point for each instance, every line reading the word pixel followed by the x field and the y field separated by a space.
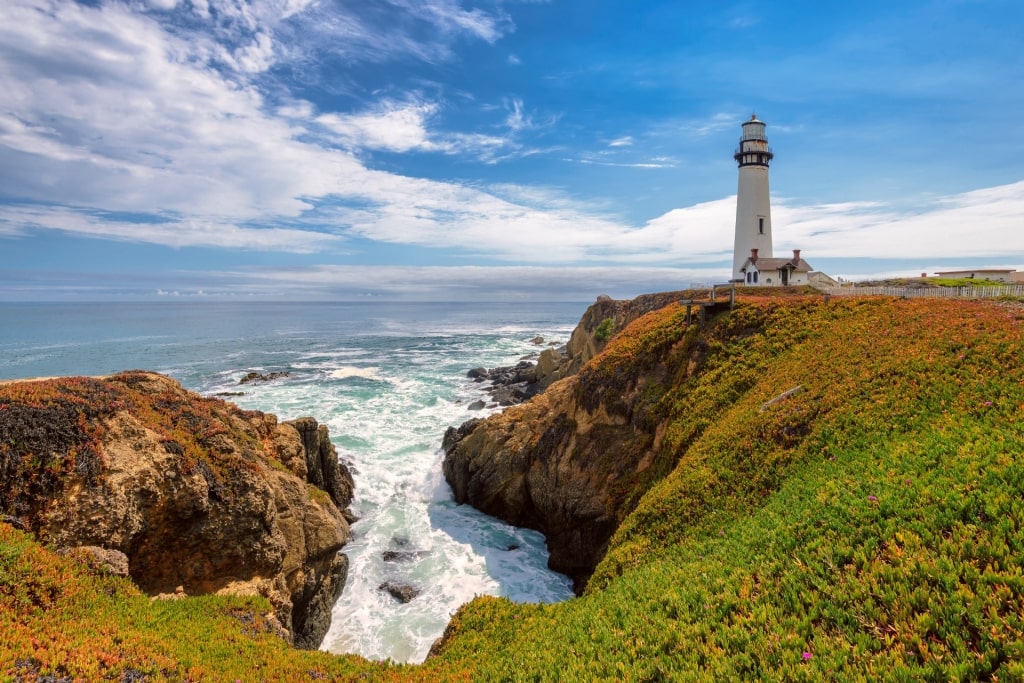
pixel 753 210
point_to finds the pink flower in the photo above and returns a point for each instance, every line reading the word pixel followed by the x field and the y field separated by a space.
pixel 873 499
pixel 807 655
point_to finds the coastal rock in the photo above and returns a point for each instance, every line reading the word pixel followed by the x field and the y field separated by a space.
pixel 549 366
pixel 551 463
pixel 195 493
pixel 402 555
pixel 514 384
pixel 509 384
pixel 323 468
pixel 262 377
pixel 111 561
pixel 521 466
pixel 402 592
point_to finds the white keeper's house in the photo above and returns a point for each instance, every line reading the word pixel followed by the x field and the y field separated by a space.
pixel 775 271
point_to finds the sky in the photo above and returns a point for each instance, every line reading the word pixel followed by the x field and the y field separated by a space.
pixel 495 149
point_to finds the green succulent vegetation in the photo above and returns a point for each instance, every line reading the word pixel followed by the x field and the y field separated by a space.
pixel 604 329
pixel 963 282
pixel 868 527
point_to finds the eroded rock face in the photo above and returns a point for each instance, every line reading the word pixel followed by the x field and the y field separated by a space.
pixel 202 496
pixel 520 466
pixel 553 463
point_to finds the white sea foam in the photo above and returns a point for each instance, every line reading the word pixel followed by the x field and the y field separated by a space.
pixel 352 371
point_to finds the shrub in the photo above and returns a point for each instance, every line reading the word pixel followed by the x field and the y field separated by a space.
pixel 604 329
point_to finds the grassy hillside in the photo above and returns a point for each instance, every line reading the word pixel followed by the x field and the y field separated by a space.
pixel 868 527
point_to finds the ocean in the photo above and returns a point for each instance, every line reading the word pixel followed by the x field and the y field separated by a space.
pixel 388 379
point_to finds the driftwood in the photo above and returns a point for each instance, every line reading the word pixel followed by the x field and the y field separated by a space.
pixel 785 394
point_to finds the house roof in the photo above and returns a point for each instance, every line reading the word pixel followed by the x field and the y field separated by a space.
pixel 764 264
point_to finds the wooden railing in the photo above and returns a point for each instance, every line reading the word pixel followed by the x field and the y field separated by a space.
pixel 970 292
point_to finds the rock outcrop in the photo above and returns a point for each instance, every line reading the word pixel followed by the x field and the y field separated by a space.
pixel 198 495
pixel 560 463
pixel 514 384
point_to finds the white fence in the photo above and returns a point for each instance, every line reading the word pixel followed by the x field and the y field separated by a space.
pixel 989 292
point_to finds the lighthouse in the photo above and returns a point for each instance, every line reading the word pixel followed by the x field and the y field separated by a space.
pixel 753 210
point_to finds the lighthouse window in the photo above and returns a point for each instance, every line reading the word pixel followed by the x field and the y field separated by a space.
pixel 760 225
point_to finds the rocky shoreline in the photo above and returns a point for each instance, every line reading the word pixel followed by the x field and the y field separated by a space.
pixel 186 495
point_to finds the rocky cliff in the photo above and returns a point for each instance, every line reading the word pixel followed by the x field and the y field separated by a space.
pixel 565 462
pixel 190 495
pixel 573 462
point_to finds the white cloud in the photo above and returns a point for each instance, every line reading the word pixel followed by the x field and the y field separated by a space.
pixel 704 127
pixel 517 120
pixel 257 56
pixel 658 162
pixel 405 127
pixel 982 223
pixel 448 15
pixel 624 141
pixel 393 126
pixel 182 233
pixel 382 31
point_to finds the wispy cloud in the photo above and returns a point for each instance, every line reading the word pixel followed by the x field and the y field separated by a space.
pixel 660 162
pixel 991 217
pixel 388 31
pixel 517 119
pixel 709 126
pixel 173 233
pixel 624 141
pixel 449 16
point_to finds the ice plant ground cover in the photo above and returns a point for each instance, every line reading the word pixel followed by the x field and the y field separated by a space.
pixel 868 527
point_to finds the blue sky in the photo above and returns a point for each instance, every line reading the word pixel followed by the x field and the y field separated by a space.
pixel 495 149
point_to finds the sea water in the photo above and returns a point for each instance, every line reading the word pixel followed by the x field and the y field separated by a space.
pixel 387 379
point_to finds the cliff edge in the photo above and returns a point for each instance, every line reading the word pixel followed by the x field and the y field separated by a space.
pixel 574 461
pixel 564 462
pixel 186 494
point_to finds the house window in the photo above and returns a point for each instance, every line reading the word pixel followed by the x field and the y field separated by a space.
pixel 760 225
pixel 755 277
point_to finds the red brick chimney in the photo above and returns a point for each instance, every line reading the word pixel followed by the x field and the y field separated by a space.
pixel 753 255
pixel 796 257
